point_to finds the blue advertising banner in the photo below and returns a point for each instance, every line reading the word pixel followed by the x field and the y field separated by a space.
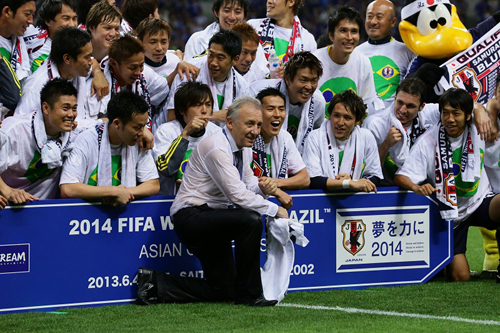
pixel 65 253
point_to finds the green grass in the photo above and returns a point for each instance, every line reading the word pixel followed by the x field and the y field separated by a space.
pixel 472 300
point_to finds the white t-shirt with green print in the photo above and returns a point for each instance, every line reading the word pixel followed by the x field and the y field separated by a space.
pixel 24 169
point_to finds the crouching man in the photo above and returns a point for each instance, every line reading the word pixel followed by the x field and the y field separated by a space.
pixel 107 163
pixel 219 201
pixel 34 145
pixel 448 160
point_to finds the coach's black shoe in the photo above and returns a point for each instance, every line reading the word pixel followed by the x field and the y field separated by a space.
pixel 260 301
pixel 146 288
pixel 498 274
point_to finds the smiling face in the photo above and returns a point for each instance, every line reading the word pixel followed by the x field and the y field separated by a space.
pixel 345 38
pixel 229 14
pixel 61 116
pixel 454 120
pixel 342 122
pixel 219 62
pixel 105 33
pixel 303 85
pixel 18 23
pixel 406 107
pixel 380 19
pixel 278 9
pixel 66 18
pixel 273 115
pixel 246 128
pixel 156 46
pixel 247 56
pixel 128 70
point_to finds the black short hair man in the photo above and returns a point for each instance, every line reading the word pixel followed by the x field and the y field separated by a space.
pixel 134 11
pixel 227 13
pixel 343 68
pixel 52 15
pixel 340 154
pixel 37 143
pixel 216 177
pixel 124 70
pixel 274 153
pixel 106 161
pixel 305 106
pixel 176 140
pixel 216 70
pixel 71 59
pixel 448 160
pixel 389 58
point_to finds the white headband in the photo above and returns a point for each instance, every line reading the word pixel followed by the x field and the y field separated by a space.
pixel 416 6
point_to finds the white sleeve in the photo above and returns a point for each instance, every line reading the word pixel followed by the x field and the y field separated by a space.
pixel 311 155
pixel 175 85
pixel 372 160
pixel 319 109
pixel 30 101
pixel 157 86
pixel 164 136
pixel 227 178
pixel 146 167
pixel 294 159
pixel 74 168
pixel 417 164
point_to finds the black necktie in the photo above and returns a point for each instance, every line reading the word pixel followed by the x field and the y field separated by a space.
pixel 238 161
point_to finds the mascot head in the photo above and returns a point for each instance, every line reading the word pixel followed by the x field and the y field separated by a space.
pixel 432 29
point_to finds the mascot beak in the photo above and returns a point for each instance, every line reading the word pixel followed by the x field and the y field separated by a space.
pixel 443 42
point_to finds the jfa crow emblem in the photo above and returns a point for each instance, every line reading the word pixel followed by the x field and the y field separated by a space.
pixel 466 79
pixel 354 235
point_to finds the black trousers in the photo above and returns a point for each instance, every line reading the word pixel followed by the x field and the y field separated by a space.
pixel 208 234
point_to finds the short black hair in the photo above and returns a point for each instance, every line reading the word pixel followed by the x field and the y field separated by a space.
pixel 270 91
pixel 457 99
pixel 229 40
pixel 303 59
pixel 351 102
pixel 54 89
pixel 70 41
pixel 344 13
pixel 134 11
pixel 413 86
pixel 49 10
pixel 217 4
pixel 188 94
pixel 125 105
pixel 14 5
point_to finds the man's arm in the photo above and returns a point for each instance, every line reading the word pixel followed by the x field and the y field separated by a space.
pixel 115 195
pixel 16 196
pixel 146 189
pixel 393 136
pixel 407 184
pixel 298 181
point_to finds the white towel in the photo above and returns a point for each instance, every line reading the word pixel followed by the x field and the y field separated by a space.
pixel 306 123
pixel 129 160
pixel 353 151
pixel 280 256
pixel 52 151
pixel 229 86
